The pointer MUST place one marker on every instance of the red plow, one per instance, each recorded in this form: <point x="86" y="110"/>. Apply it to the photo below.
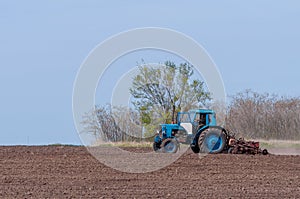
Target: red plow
<point x="241" y="146"/>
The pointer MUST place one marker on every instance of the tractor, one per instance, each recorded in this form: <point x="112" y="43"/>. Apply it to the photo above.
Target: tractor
<point x="199" y="129"/>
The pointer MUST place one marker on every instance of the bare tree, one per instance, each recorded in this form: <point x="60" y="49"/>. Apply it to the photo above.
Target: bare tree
<point x="266" y="116"/>
<point x="113" y="124"/>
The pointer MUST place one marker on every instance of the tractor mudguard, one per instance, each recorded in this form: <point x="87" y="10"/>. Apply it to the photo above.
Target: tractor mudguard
<point x="157" y="139"/>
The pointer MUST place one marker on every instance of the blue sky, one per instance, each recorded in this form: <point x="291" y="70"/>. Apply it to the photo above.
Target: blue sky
<point x="255" y="44"/>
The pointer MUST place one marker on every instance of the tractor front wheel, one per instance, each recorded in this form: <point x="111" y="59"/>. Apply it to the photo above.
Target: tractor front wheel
<point x="170" y="145"/>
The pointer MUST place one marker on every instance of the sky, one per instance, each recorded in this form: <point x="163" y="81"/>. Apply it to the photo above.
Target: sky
<point x="254" y="43"/>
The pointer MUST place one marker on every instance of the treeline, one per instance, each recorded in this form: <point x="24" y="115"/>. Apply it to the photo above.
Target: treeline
<point x="264" y="116"/>
<point x="250" y="115"/>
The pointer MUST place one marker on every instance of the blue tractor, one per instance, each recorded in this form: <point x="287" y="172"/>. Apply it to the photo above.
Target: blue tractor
<point x="197" y="128"/>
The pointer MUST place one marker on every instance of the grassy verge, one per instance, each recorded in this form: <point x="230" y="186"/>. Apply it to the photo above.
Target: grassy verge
<point x="59" y="144"/>
<point x="279" y="144"/>
<point x="269" y="144"/>
<point x="127" y="144"/>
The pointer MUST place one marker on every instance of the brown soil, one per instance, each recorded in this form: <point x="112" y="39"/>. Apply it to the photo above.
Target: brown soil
<point x="71" y="172"/>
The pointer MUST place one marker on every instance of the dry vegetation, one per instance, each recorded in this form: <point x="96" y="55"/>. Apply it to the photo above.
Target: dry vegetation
<point x="250" y="115"/>
<point x="264" y="116"/>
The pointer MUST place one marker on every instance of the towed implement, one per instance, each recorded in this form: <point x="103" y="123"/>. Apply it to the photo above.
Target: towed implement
<point x="199" y="129"/>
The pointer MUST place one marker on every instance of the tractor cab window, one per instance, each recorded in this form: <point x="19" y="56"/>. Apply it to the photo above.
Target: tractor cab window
<point x="197" y="117"/>
<point x="209" y="118"/>
<point x="201" y="119"/>
<point x="184" y="118"/>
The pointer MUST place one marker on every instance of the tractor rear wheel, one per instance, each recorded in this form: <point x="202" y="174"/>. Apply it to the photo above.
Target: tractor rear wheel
<point x="170" y="145"/>
<point x="212" y="140"/>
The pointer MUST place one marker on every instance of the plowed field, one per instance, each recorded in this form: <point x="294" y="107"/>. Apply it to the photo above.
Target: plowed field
<point x="71" y="172"/>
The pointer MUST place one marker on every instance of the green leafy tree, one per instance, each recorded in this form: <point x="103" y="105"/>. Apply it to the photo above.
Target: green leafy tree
<point x="159" y="92"/>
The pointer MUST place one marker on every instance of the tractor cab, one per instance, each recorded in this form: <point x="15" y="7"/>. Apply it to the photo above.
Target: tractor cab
<point x="194" y="120"/>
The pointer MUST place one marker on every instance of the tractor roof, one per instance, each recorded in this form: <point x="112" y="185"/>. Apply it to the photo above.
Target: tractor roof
<point x="202" y="111"/>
